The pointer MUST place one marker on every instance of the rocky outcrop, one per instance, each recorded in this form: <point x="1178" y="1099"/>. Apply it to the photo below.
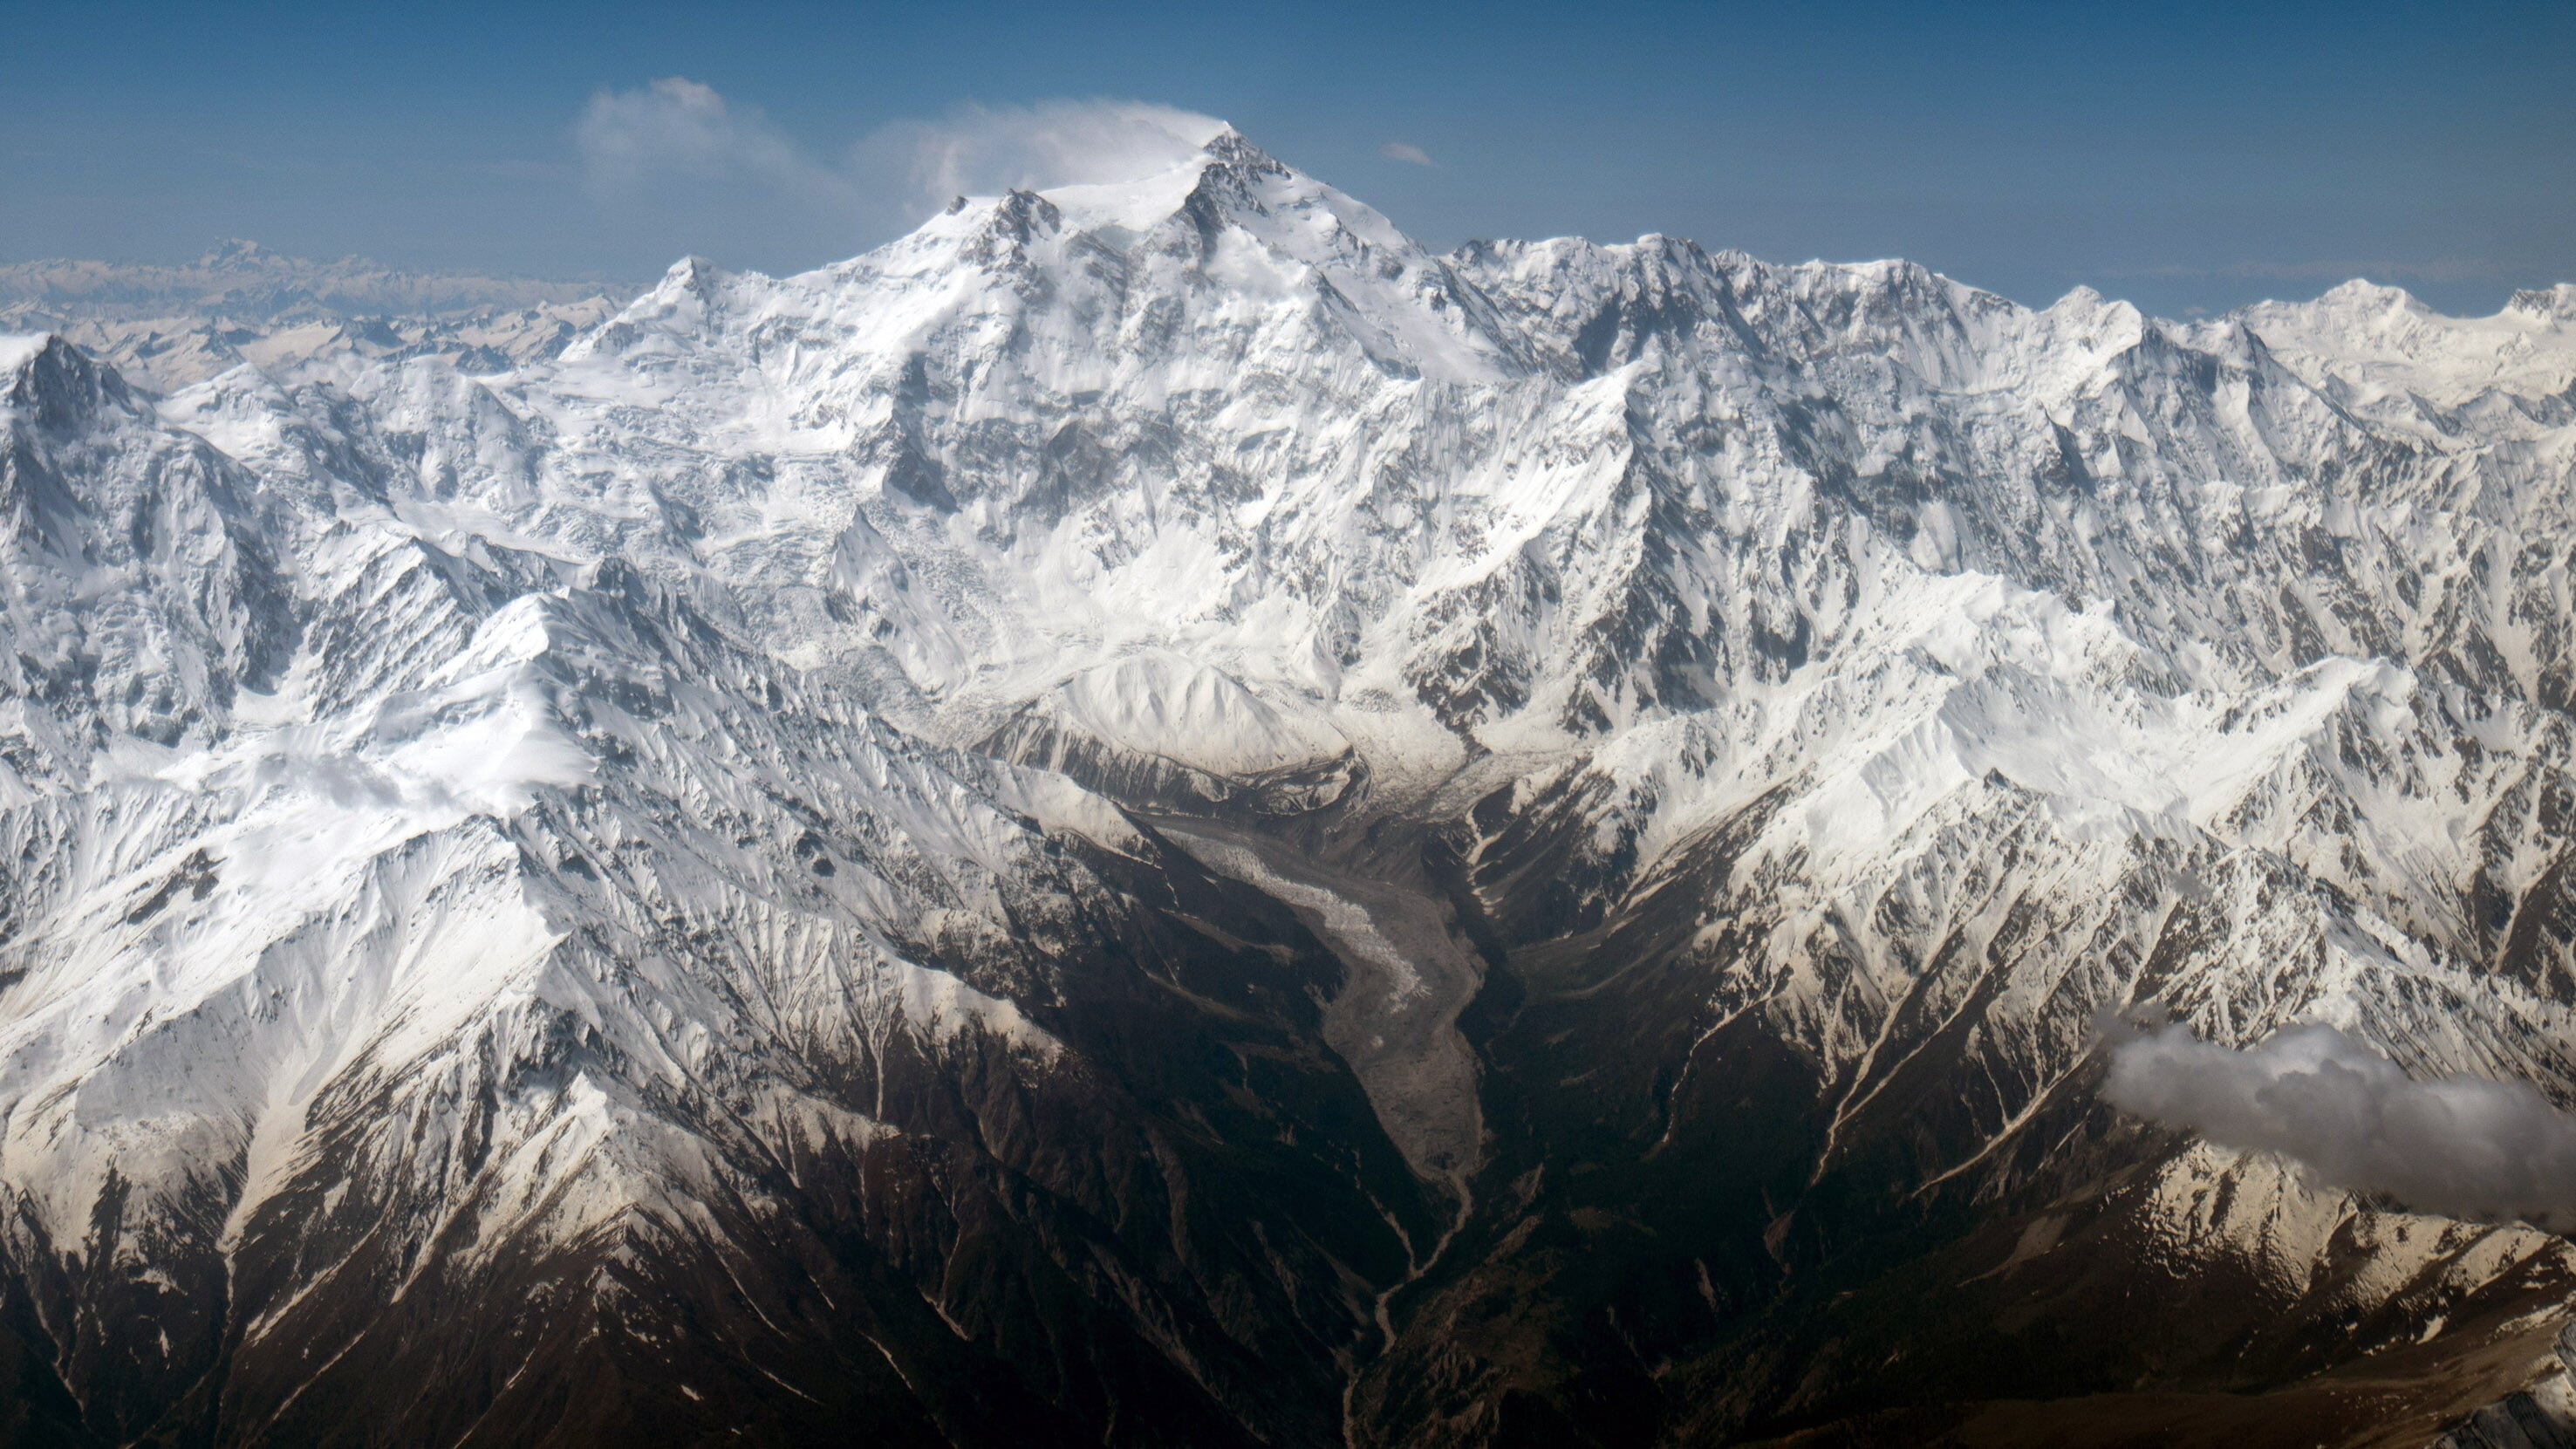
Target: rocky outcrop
<point x="2542" y="1416"/>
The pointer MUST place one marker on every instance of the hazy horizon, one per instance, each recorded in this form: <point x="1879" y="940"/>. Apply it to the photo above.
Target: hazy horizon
<point x="2191" y="160"/>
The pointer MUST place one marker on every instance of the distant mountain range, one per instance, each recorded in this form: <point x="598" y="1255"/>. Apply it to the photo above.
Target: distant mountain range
<point x="1153" y="815"/>
<point x="173" y="325"/>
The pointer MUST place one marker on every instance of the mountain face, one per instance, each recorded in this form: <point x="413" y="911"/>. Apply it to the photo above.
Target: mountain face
<point x="1152" y="815"/>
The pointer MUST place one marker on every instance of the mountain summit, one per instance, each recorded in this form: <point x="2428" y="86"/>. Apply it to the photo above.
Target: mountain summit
<point x="1153" y="815"/>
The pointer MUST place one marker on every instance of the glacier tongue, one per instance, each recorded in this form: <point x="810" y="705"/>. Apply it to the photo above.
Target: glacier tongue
<point x="1159" y="797"/>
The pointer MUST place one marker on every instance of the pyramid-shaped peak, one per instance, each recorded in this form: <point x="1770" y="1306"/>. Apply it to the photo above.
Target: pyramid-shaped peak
<point x="1232" y="169"/>
<point x="693" y="272"/>
<point x="1224" y="175"/>
<point x="1132" y="187"/>
<point x="1230" y="148"/>
<point x="58" y="386"/>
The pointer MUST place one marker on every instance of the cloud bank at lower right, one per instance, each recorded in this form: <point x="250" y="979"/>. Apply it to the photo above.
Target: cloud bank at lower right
<point x="2461" y="1147"/>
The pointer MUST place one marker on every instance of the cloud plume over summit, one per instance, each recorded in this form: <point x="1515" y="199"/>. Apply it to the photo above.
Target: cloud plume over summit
<point x="679" y="146"/>
<point x="981" y="150"/>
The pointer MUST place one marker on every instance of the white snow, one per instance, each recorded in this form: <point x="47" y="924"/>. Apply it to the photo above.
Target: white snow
<point x="624" y="685"/>
<point x="1162" y="704"/>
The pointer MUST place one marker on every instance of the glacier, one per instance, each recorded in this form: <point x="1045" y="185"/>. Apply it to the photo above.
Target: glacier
<point x="1154" y="814"/>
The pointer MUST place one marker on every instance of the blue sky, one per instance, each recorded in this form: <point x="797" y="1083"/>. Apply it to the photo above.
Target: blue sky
<point x="2189" y="157"/>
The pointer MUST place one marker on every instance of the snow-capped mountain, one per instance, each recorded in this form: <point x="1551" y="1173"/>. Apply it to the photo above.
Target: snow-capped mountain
<point x="1155" y="815"/>
<point x="169" y="326"/>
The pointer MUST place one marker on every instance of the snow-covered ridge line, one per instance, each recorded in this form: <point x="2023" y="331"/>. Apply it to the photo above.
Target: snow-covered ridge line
<point x="515" y="793"/>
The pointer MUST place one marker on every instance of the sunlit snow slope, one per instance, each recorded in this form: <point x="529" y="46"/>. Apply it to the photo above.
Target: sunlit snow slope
<point x="624" y="883"/>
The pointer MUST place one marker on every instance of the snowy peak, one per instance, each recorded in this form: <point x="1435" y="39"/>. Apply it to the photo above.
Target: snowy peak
<point x="689" y="302"/>
<point x="1226" y="176"/>
<point x="58" y="387"/>
<point x="843" y="806"/>
<point x="2379" y="348"/>
<point x="2546" y="304"/>
<point x="1230" y="221"/>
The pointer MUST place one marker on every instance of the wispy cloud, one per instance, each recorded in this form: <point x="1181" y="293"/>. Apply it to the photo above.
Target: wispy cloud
<point x="677" y="134"/>
<point x="1406" y="152"/>
<point x="2460" y="1146"/>
<point x="634" y="140"/>
<point x="980" y="150"/>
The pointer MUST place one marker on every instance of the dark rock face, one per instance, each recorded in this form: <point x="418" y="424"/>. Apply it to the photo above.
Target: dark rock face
<point x="1159" y="819"/>
<point x="1174" y="1232"/>
<point x="2542" y="1416"/>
